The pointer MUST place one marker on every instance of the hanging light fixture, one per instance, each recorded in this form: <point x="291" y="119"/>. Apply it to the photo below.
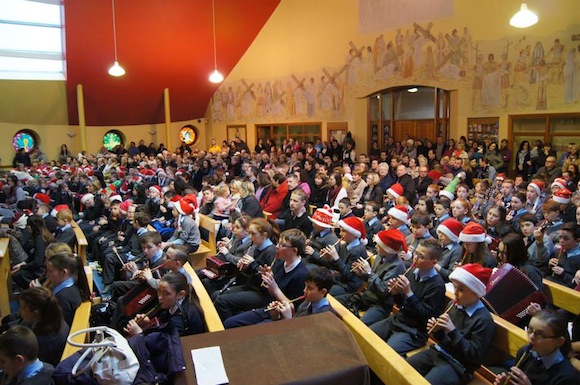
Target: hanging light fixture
<point x="524" y="18"/>
<point x="116" y="69"/>
<point x="215" y="76"/>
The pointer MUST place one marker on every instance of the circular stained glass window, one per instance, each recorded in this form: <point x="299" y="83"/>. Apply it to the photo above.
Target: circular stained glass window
<point x="112" y="139"/>
<point x="188" y="134"/>
<point x="24" y="139"/>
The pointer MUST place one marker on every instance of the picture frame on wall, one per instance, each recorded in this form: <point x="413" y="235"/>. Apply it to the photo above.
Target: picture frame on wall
<point x="237" y="131"/>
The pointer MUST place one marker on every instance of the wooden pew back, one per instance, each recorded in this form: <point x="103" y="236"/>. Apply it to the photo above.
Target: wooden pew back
<point x="562" y="296"/>
<point x="82" y="242"/>
<point x="387" y="364"/>
<point x="208" y="228"/>
<point x="5" y="278"/>
<point x="213" y="322"/>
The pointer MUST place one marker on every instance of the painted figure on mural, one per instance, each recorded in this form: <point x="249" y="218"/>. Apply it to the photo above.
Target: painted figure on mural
<point x="259" y="100"/>
<point x="466" y="45"/>
<point x="230" y="104"/>
<point x="290" y="98"/>
<point x="542" y="81"/>
<point x="556" y="59"/>
<point x="217" y="106"/>
<point x="268" y="101"/>
<point x="537" y="56"/>
<point x="310" y="96"/>
<point x="441" y="48"/>
<point x="505" y="68"/>
<point x="490" y="85"/>
<point x="570" y="77"/>
<point x="430" y="72"/>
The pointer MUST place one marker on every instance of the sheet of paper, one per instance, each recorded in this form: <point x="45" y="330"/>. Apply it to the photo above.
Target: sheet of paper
<point x="209" y="366"/>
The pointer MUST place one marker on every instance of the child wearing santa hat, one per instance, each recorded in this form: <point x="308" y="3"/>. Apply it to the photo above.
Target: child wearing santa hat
<point x="321" y="236"/>
<point x="475" y="241"/>
<point x="187" y="232"/>
<point x="376" y="299"/>
<point x="464" y="333"/>
<point x="420" y="295"/>
<point x="448" y="234"/>
<point x="341" y="258"/>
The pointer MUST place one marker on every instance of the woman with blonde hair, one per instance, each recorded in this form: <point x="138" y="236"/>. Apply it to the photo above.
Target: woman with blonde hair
<point x="248" y="203"/>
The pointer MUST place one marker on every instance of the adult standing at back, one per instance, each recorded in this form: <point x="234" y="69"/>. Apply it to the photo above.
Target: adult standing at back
<point x="407" y="182"/>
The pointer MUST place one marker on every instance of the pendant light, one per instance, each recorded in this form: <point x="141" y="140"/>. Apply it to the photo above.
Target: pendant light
<point x="524" y="18"/>
<point x="215" y="76"/>
<point x="116" y="69"/>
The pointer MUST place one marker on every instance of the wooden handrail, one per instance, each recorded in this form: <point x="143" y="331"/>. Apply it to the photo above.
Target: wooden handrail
<point x="213" y="322"/>
<point x="387" y="364"/>
<point x="562" y="296"/>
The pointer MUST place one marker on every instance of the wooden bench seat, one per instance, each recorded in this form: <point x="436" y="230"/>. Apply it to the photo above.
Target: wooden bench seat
<point x="387" y="364"/>
<point x="562" y="296"/>
<point x="213" y="322"/>
<point x="208" y="229"/>
<point x="82" y="243"/>
<point x="81" y="321"/>
<point x="5" y="278"/>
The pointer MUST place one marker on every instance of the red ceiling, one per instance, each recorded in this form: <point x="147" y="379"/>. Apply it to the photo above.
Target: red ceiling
<point x="161" y="44"/>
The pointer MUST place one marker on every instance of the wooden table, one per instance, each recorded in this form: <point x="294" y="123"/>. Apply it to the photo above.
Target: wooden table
<point x="316" y="349"/>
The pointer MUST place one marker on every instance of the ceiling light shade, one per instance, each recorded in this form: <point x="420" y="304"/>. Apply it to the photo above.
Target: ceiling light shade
<point x="116" y="70"/>
<point x="524" y="18"/>
<point x="413" y="90"/>
<point x="216" y="77"/>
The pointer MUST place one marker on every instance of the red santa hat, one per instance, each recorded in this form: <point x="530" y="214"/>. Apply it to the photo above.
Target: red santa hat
<point x="173" y="201"/>
<point x="474" y="276"/>
<point x="401" y="213"/>
<point x="85" y="198"/>
<point x="474" y="233"/>
<point x="396" y="190"/>
<point x="354" y="226"/>
<point x="537" y="185"/>
<point x="124" y="206"/>
<point x="58" y="209"/>
<point x="560" y="182"/>
<point x="43" y="198"/>
<point x="562" y="196"/>
<point x="391" y="240"/>
<point x="501" y="176"/>
<point x="451" y="228"/>
<point x="187" y="205"/>
<point x="155" y="189"/>
<point x="322" y="217"/>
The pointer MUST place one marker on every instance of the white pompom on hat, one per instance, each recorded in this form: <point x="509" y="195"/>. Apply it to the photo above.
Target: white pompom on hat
<point x="474" y="276"/>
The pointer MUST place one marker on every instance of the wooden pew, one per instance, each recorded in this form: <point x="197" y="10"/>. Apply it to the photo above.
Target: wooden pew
<point x="562" y="296"/>
<point x="213" y="322"/>
<point x="387" y="364"/>
<point x="81" y="321"/>
<point x="81" y="242"/>
<point x="5" y="278"/>
<point x="208" y="227"/>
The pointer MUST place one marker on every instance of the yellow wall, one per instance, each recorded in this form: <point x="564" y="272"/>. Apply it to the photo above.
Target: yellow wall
<point x="303" y="37"/>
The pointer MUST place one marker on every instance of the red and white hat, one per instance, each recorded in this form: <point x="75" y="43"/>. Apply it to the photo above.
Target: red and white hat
<point x="452" y="228"/>
<point x="124" y="206"/>
<point x="396" y="190"/>
<point x="474" y="233"/>
<point x="85" y="198"/>
<point x="472" y="275"/>
<point x="322" y="217"/>
<point x="43" y="198"/>
<point x="501" y="176"/>
<point x="562" y="196"/>
<point x="173" y="201"/>
<point x="537" y="185"/>
<point x="401" y="213"/>
<point x="20" y="220"/>
<point x="559" y="182"/>
<point x="156" y="189"/>
<point x="354" y="226"/>
<point x="115" y="198"/>
<point x="391" y="240"/>
<point x="187" y="204"/>
<point x="57" y="209"/>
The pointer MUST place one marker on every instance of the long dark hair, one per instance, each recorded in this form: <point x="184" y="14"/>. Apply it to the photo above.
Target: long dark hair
<point x="178" y="282"/>
<point x="516" y="251"/>
<point x="41" y="300"/>
<point x="38" y="228"/>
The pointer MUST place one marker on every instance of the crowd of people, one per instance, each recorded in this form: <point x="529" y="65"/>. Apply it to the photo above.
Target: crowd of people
<point x="298" y="221"/>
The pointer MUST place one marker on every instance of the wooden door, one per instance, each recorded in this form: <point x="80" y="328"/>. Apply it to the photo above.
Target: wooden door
<point x="420" y="129"/>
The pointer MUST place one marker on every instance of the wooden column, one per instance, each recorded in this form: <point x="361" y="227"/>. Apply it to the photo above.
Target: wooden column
<point x="81" y="113"/>
<point x="167" y="119"/>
